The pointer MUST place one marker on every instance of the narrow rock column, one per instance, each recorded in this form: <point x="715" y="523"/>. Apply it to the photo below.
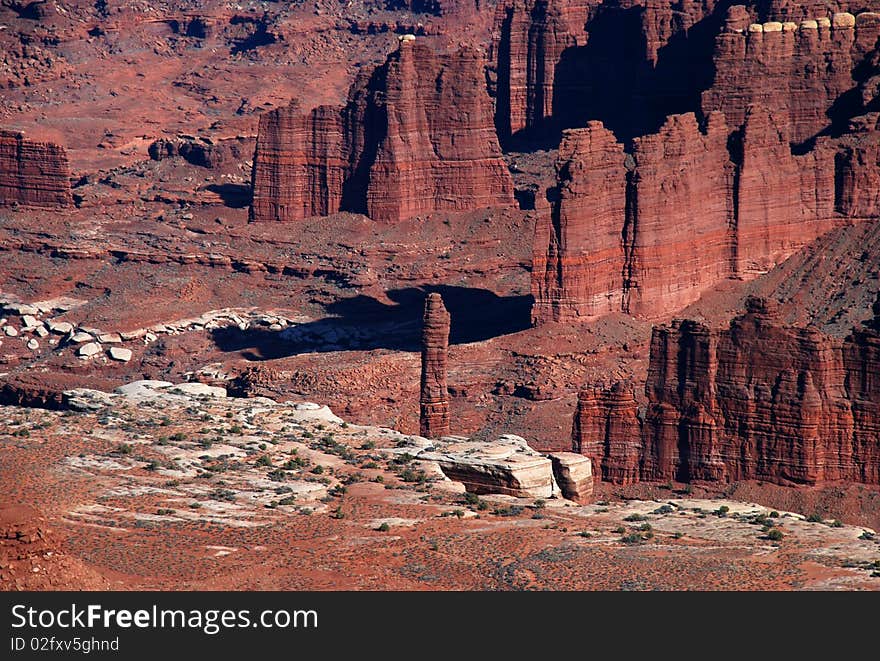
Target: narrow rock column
<point x="434" y="400"/>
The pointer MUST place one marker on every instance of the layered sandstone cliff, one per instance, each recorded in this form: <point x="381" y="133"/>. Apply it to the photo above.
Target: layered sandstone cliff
<point x="578" y="267"/>
<point x="649" y="232"/>
<point x="33" y="174"/>
<point x="799" y="71"/>
<point x="415" y="137"/>
<point x="758" y="400"/>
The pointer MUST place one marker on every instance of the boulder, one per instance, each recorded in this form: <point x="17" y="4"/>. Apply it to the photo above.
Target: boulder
<point x="574" y="475"/>
<point x="121" y="354"/>
<point x="89" y="349"/>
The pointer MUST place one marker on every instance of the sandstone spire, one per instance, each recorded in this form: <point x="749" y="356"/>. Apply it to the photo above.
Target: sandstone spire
<point x="434" y="400"/>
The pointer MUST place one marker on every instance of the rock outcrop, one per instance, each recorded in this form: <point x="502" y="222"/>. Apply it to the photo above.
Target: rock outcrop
<point x="434" y="397"/>
<point x="607" y="429"/>
<point x="506" y="465"/>
<point x="579" y="261"/>
<point x="415" y="137"/>
<point x="529" y="38"/>
<point x="799" y="71"/>
<point x="759" y="400"/>
<point x="558" y="64"/>
<point x="679" y="216"/>
<point x="648" y="233"/>
<point x="574" y="475"/>
<point x="33" y="174"/>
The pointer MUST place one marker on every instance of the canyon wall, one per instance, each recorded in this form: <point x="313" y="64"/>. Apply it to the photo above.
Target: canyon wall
<point x="578" y="267"/>
<point x="758" y="400"/>
<point x="803" y="72"/>
<point x="415" y="137"/>
<point x="648" y="232"/>
<point x="33" y="174"/>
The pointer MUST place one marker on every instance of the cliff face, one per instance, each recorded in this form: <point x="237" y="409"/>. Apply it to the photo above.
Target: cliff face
<point x="680" y="214"/>
<point x="33" y="174"/>
<point x="415" y="137"/>
<point x="561" y="63"/>
<point x="440" y="150"/>
<point x="578" y="266"/>
<point x="759" y="400"/>
<point x="299" y="166"/>
<point x="434" y="398"/>
<point x="607" y="429"/>
<point x="529" y="37"/>
<point x="701" y="205"/>
<point x="783" y="201"/>
<point x="798" y="71"/>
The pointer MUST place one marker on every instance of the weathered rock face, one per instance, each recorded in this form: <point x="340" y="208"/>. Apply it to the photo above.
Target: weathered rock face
<point x="34" y="174"/>
<point x="783" y="201"/>
<point x="440" y="150"/>
<point x="762" y="400"/>
<point x="578" y="265"/>
<point x="798" y="71"/>
<point x="299" y="167"/>
<point x="680" y="214"/>
<point x="857" y="170"/>
<point x="559" y="64"/>
<point x="415" y="137"/>
<point x="506" y="465"/>
<point x="434" y="398"/>
<point x="607" y="429"/>
<point x="529" y="38"/>
<point x="690" y="207"/>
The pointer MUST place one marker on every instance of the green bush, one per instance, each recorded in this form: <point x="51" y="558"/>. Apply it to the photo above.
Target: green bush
<point x="775" y="535"/>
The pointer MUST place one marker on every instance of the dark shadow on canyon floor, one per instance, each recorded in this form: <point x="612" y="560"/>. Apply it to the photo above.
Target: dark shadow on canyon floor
<point x="234" y="196"/>
<point x="363" y="323"/>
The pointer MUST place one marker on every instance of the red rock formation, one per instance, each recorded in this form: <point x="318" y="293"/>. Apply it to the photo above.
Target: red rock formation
<point x="857" y="194"/>
<point x="439" y="151"/>
<point x="578" y="264"/>
<point x="798" y="72"/>
<point x="680" y="214"/>
<point x="299" y="166"/>
<point x="783" y="201"/>
<point x="415" y="137"/>
<point x="434" y="399"/>
<point x="528" y="41"/>
<point x="607" y="429"/>
<point x="34" y="174"/>
<point x="762" y="400"/>
<point x="699" y="208"/>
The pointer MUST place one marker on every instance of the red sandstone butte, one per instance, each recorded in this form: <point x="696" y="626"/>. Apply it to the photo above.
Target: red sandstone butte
<point x="692" y="207"/>
<point x="33" y="174"/>
<point x="434" y="399"/>
<point x="579" y="263"/>
<point x="416" y="136"/>
<point x="759" y="400"/>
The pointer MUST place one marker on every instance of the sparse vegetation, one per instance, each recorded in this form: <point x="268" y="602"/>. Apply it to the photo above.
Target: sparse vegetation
<point x="775" y="535"/>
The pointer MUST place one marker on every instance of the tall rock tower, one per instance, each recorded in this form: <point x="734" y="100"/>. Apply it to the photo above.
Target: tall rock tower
<point x="434" y="399"/>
